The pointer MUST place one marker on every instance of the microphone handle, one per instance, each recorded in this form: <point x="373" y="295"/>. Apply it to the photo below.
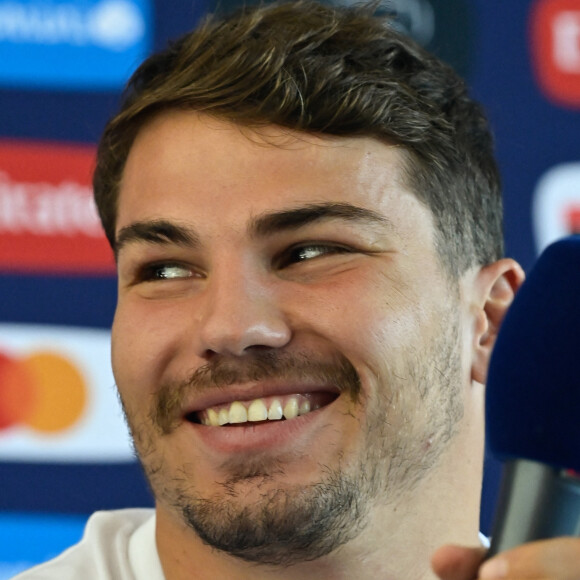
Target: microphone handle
<point x="536" y="502"/>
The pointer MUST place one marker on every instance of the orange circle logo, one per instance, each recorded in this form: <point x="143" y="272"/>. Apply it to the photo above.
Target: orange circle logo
<point x="43" y="391"/>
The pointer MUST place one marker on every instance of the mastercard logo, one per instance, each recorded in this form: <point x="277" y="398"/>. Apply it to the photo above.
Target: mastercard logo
<point x="43" y="391"/>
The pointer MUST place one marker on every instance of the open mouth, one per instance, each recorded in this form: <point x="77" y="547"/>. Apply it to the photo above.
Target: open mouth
<point x="275" y="408"/>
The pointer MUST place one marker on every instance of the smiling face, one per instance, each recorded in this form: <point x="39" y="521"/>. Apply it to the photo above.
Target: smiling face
<point x="286" y="345"/>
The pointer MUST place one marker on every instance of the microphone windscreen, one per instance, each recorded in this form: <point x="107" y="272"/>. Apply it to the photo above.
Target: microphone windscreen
<point x="533" y="386"/>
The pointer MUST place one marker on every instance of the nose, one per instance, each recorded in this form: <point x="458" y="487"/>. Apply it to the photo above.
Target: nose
<point x="239" y="312"/>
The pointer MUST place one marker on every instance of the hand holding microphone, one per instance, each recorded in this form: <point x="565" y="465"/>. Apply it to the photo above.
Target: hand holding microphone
<point x="533" y="403"/>
<point x="533" y="424"/>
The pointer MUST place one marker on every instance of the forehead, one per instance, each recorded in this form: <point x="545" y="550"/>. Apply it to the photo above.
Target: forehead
<point x="184" y="164"/>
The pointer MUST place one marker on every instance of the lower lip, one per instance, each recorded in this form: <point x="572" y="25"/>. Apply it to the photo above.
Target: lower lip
<point x="263" y="436"/>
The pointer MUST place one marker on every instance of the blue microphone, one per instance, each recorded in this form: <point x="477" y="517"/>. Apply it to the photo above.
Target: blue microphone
<point x="533" y="403"/>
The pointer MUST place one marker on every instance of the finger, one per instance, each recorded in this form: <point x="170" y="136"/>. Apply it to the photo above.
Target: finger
<point x="456" y="562"/>
<point x="557" y="559"/>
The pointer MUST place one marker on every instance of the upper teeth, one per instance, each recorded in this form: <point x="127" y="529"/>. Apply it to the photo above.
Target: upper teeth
<point x="273" y="409"/>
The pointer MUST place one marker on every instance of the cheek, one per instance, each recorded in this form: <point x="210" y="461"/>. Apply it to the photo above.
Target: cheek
<point x="140" y="346"/>
<point x="377" y="323"/>
<point x="367" y="315"/>
<point x="125" y="346"/>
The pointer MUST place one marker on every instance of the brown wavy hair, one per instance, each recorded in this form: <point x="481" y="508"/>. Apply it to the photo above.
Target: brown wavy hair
<point x="341" y="71"/>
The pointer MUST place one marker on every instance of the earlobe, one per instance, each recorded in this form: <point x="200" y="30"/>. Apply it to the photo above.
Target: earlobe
<point x="496" y="286"/>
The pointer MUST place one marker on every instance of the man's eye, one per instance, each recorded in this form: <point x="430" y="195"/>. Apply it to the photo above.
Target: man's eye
<point x="165" y="272"/>
<point x="308" y="252"/>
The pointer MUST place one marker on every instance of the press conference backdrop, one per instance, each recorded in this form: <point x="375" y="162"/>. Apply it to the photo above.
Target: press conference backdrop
<point x="64" y="449"/>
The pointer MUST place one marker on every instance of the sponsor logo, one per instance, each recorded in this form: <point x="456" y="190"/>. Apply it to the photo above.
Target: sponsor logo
<point x="48" y="220"/>
<point x="72" y="43"/>
<point x="555" y="31"/>
<point x="57" y="396"/>
<point x="444" y="27"/>
<point x="413" y="17"/>
<point x="43" y="391"/>
<point x="556" y="204"/>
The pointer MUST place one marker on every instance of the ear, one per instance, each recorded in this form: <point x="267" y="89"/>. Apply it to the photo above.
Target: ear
<point x="496" y="285"/>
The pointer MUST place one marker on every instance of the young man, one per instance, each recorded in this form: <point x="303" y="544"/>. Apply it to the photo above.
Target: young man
<point x="305" y="212"/>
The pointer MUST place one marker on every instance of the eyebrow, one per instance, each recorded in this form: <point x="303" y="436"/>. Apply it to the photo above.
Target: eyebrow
<point x="161" y="231"/>
<point x="157" y="231"/>
<point x="295" y="218"/>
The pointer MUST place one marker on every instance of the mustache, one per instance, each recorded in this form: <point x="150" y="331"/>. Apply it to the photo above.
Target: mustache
<point x="219" y="373"/>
